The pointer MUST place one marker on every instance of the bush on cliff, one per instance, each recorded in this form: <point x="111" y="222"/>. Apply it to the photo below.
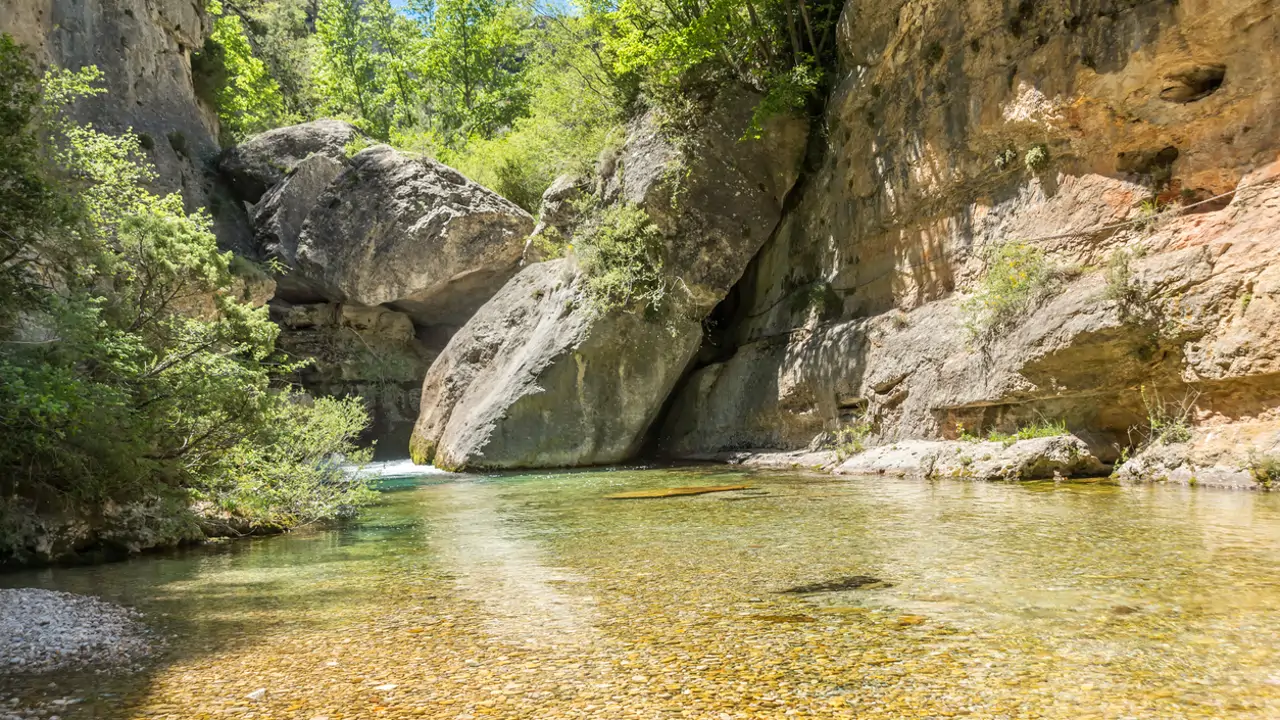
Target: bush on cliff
<point x="1018" y="276"/>
<point x="128" y="369"/>
<point x="622" y="257"/>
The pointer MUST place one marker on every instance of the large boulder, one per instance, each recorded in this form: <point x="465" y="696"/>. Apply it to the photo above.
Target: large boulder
<point x="261" y="162"/>
<point x="540" y="379"/>
<point x="541" y="376"/>
<point x="412" y="233"/>
<point x="279" y="216"/>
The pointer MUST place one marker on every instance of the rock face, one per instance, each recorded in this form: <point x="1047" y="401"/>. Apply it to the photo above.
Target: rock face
<point x="411" y="233"/>
<point x="384" y="256"/>
<point x="373" y="352"/>
<point x="1033" y="459"/>
<point x="1234" y="455"/>
<point x="960" y="127"/>
<point x="144" y="50"/>
<point x="264" y="160"/>
<point x="539" y="377"/>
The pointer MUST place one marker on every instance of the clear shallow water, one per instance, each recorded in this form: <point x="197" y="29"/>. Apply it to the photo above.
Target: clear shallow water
<point x="532" y="596"/>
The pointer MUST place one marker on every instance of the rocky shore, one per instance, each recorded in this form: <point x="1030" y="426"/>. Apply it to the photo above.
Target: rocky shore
<point x="44" y="630"/>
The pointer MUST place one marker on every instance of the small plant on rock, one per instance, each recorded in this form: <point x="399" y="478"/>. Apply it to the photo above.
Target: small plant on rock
<point x="1037" y="158"/>
<point x="1168" y="421"/>
<point x="1265" y="469"/>
<point x="847" y="440"/>
<point x="1121" y="287"/>
<point x="623" y="254"/>
<point x="1018" y="277"/>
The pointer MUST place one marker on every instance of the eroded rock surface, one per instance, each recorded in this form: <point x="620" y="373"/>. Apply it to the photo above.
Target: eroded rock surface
<point x="264" y="160"/>
<point x="410" y="232"/>
<point x="963" y="127"/>
<point x="1032" y="459"/>
<point x="144" y="49"/>
<point x="540" y="377"/>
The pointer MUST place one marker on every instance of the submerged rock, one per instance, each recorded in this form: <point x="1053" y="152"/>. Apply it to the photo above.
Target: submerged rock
<point x="675" y="492"/>
<point x="852" y="582"/>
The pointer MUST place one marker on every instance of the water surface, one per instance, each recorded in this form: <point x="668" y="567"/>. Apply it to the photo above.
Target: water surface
<point x="532" y="596"/>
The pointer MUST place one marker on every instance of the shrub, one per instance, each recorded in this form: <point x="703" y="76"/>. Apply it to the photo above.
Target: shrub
<point x="109" y="390"/>
<point x="1265" y="469"/>
<point x="622" y="256"/>
<point x="1037" y="158"/>
<point x="289" y="473"/>
<point x="1120" y="284"/>
<point x="1168" y="421"/>
<point x="1018" y="276"/>
<point x="847" y="440"/>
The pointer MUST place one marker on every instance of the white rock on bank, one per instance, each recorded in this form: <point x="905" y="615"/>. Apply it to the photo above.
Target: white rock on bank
<point x="43" y="630"/>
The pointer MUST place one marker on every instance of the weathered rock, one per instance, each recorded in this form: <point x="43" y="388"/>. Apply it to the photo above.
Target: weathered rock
<point x="370" y="352"/>
<point x="1235" y="455"/>
<point x="557" y="215"/>
<point x="263" y="161"/>
<point x="278" y="219"/>
<point x="538" y="378"/>
<point x="144" y="49"/>
<point x="411" y="233"/>
<point x="1036" y="458"/>
<point x="717" y="197"/>
<point x="853" y="310"/>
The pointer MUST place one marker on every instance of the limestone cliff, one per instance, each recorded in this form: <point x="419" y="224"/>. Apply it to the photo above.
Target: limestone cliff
<point x="956" y="127"/>
<point x="144" y="50"/>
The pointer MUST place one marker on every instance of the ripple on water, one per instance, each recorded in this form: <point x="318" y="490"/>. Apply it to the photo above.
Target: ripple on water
<point x="533" y="596"/>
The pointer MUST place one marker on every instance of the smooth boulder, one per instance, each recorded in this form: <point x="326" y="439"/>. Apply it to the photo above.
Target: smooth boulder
<point x="411" y="233"/>
<point x="538" y="378"/>
<point x="264" y="160"/>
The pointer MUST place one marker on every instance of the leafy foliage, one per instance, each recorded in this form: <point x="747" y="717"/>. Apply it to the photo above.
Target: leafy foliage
<point x="249" y="100"/>
<point x="127" y="366"/>
<point x="1018" y="276"/>
<point x="622" y="254"/>
<point x="777" y="46"/>
<point x="1168" y="421"/>
<point x="1039" y="429"/>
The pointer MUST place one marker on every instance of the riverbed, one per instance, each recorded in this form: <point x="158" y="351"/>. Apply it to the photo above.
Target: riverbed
<point x="534" y="596"/>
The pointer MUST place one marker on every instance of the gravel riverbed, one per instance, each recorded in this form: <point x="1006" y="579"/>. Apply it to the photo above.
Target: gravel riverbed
<point x="43" y="630"/>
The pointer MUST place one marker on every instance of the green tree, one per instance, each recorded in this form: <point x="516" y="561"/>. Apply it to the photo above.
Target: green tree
<point x="398" y="41"/>
<point x="347" y="72"/>
<point x="129" y="369"/>
<point x="474" y="62"/>
<point x="574" y="110"/>
<point x="282" y="34"/>
<point x="249" y="99"/>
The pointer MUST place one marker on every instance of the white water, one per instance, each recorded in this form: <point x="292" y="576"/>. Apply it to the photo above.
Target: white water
<point x="399" y="468"/>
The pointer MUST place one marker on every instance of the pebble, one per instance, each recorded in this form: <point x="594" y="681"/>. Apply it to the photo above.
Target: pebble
<point x="44" y="630"/>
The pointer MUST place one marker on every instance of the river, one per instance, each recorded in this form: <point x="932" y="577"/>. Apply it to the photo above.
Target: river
<point x="534" y="596"/>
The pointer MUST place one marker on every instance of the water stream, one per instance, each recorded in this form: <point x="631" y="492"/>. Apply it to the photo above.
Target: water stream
<point x="533" y="596"/>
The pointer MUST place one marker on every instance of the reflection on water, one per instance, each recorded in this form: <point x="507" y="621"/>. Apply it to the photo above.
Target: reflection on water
<point x="532" y="596"/>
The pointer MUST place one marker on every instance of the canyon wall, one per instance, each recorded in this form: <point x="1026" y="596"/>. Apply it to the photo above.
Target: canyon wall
<point x="956" y="128"/>
<point x="144" y="50"/>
